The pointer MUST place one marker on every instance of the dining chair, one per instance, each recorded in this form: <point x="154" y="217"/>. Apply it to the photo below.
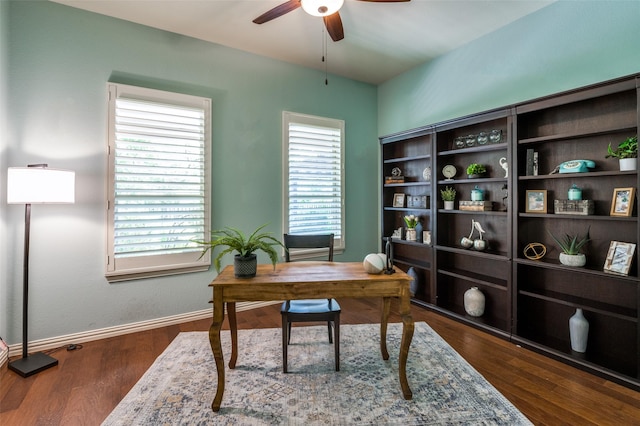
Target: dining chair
<point x="310" y="310"/>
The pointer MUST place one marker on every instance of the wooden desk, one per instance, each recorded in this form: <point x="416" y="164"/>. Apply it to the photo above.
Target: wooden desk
<point x="308" y="280"/>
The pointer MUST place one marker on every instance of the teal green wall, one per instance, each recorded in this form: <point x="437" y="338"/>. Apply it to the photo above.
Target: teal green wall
<point x="566" y="45"/>
<point x="59" y="61"/>
<point x="4" y="146"/>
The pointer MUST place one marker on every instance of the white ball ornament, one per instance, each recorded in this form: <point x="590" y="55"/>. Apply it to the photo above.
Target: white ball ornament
<point x="373" y="263"/>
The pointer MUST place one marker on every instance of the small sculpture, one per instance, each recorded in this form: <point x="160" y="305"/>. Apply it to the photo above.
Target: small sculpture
<point x="478" y="244"/>
<point x="505" y="166"/>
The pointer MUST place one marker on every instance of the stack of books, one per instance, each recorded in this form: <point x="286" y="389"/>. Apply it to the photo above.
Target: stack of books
<point x="394" y="179"/>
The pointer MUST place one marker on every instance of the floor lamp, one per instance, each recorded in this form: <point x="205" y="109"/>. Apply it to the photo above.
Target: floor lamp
<point x="35" y="184"/>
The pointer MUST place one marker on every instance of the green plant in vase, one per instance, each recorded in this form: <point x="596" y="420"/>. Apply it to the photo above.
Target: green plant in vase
<point x="475" y="170"/>
<point x="448" y="195"/>
<point x="626" y="153"/>
<point x="235" y="240"/>
<point x="570" y="246"/>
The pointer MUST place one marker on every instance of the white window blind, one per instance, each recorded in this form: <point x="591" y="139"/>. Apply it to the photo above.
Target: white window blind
<point x="159" y="191"/>
<point x="315" y="175"/>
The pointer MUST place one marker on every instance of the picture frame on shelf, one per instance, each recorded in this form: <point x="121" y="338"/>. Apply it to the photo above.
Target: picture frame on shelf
<point x="622" y="201"/>
<point x="619" y="258"/>
<point x="398" y="200"/>
<point x="536" y="201"/>
<point x="417" y="201"/>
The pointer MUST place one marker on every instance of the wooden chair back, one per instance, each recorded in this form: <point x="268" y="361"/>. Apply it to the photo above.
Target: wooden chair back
<point x="292" y="241"/>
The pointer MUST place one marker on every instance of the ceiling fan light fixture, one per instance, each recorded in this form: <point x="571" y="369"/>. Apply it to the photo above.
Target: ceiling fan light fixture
<point x="321" y="7"/>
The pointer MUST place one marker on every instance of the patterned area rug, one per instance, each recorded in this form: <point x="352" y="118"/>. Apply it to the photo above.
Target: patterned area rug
<point x="179" y="387"/>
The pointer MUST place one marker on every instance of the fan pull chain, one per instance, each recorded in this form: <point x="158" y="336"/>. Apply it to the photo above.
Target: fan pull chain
<point x="325" y="57"/>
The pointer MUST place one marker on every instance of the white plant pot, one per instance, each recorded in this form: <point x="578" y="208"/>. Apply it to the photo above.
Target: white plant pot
<point x="448" y="205"/>
<point x="573" y="259"/>
<point x="627" y="164"/>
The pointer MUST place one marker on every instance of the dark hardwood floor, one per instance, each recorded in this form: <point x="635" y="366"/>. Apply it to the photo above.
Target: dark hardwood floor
<point x="88" y="383"/>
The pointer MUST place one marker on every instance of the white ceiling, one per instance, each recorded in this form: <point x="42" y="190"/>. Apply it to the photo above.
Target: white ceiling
<point x="381" y="40"/>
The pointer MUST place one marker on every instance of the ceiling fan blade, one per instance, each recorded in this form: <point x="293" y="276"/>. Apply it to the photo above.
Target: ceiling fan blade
<point x="334" y="26"/>
<point x="277" y="11"/>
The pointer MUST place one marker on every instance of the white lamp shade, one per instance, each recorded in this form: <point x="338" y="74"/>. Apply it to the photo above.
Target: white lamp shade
<point x="321" y="7"/>
<point x="40" y="185"/>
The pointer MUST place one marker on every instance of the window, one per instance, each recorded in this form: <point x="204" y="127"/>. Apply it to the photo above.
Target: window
<point x="158" y="183"/>
<point x="313" y="177"/>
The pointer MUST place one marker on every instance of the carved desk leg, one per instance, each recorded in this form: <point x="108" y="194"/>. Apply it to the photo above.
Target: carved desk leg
<point x="216" y="345"/>
<point x="233" y="327"/>
<point x="386" y="308"/>
<point x="407" y="336"/>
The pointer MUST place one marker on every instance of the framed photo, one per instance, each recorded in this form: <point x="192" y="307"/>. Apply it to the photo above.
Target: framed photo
<point x="536" y="201"/>
<point x="417" y="201"/>
<point x="398" y="200"/>
<point x="619" y="258"/>
<point x="622" y="202"/>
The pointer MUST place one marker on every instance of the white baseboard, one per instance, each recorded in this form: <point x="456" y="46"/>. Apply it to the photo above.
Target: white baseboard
<point x="104" y="333"/>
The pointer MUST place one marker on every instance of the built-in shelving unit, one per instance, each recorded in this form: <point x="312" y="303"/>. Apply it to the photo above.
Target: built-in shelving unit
<point x="577" y="125"/>
<point x="411" y="155"/>
<point x="527" y="301"/>
<point x="459" y="268"/>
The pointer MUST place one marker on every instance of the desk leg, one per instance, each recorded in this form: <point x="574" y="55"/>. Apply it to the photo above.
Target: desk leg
<point x="386" y="308"/>
<point x="407" y="336"/>
<point x="216" y="345"/>
<point x="233" y="327"/>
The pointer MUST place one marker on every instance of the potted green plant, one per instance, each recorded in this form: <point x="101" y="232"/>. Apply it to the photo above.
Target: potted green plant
<point x="412" y="222"/>
<point x="245" y="261"/>
<point x="626" y="153"/>
<point x="570" y="246"/>
<point x="474" y="170"/>
<point x="448" y="195"/>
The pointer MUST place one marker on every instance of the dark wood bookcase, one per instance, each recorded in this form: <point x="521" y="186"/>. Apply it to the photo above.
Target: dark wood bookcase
<point x="527" y="301"/>
<point x="411" y="153"/>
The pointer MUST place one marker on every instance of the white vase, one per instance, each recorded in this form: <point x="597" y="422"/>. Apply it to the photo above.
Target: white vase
<point x="578" y="331"/>
<point x="474" y="302"/>
<point x="448" y="205"/>
<point x="411" y="234"/>
<point x="573" y="259"/>
<point x="627" y="164"/>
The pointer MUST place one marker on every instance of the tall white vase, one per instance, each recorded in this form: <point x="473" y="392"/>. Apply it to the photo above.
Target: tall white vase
<point x="578" y="331"/>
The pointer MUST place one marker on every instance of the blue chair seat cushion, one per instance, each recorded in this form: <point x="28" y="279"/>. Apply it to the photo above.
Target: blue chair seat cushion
<point x="311" y="306"/>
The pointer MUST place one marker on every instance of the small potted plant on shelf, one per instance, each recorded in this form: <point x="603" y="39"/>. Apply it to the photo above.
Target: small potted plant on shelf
<point x="245" y="261"/>
<point x="570" y="246"/>
<point x="475" y="170"/>
<point x="626" y="153"/>
<point x="411" y="221"/>
<point x="448" y="195"/>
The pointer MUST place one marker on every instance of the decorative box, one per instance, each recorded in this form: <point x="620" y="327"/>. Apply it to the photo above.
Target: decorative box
<point x="581" y="207"/>
<point x="394" y="179"/>
<point x="475" y="206"/>
<point x="417" y="201"/>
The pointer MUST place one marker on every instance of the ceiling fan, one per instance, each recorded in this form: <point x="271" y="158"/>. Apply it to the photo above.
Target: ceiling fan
<point x="327" y="9"/>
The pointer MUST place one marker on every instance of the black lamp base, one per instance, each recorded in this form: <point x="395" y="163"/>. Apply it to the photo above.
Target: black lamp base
<point x="32" y="364"/>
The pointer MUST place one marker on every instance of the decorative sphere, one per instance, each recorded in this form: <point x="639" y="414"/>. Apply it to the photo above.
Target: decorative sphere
<point x="373" y="263"/>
